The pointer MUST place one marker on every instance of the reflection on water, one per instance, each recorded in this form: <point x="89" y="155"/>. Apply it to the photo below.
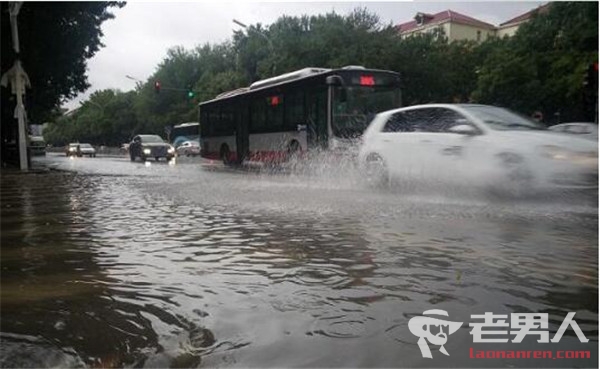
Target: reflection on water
<point x="107" y="272"/>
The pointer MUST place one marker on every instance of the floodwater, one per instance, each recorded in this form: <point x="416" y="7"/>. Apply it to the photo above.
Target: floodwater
<point x="107" y="263"/>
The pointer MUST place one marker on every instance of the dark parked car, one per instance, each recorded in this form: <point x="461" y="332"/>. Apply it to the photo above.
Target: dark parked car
<point x="150" y="146"/>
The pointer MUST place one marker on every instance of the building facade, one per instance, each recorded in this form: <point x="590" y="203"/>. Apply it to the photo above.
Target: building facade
<point x="510" y="27"/>
<point x="457" y="26"/>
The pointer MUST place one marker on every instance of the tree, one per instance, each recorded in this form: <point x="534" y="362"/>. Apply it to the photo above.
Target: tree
<point x="546" y="62"/>
<point x="56" y="39"/>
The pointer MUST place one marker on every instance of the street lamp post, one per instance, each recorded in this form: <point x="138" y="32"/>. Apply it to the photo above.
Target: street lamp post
<point x="269" y="42"/>
<point x="138" y="83"/>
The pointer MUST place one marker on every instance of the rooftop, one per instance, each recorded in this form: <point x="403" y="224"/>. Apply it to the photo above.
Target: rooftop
<point x="525" y="16"/>
<point x="442" y="17"/>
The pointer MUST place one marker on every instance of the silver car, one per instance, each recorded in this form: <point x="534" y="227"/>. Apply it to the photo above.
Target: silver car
<point x="581" y="129"/>
<point x="188" y="148"/>
<point x="80" y="149"/>
<point x="469" y="144"/>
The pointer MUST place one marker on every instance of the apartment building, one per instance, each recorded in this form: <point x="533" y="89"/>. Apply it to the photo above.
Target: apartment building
<point x="457" y="26"/>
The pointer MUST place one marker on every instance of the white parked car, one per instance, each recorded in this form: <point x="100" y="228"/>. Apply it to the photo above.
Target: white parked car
<point x="80" y="149"/>
<point x="188" y="148"/>
<point x="468" y="144"/>
<point x="583" y="130"/>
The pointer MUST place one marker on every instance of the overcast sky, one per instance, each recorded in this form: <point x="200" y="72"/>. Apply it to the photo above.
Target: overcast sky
<point x="138" y="38"/>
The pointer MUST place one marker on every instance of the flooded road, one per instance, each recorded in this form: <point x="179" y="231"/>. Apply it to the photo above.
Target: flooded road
<point x="108" y="263"/>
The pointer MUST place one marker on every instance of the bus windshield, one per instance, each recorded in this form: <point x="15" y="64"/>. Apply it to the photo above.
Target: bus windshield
<point x="185" y="132"/>
<point x="354" y="109"/>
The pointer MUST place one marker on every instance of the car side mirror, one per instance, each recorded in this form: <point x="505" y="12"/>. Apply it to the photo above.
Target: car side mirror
<point x="463" y="129"/>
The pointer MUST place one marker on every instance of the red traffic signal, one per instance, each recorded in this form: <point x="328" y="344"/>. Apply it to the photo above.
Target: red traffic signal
<point x="157" y="86"/>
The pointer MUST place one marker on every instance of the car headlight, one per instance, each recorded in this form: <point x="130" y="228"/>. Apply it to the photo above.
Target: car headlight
<point x="171" y="150"/>
<point x="147" y="151"/>
<point x="555" y="152"/>
<point x="72" y="149"/>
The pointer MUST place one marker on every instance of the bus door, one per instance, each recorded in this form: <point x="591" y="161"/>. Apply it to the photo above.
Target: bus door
<point x="242" y="139"/>
<point x="316" y="104"/>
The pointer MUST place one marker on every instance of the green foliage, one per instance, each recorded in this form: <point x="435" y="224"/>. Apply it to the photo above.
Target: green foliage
<point x="545" y="62"/>
<point x="56" y="39"/>
<point x="541" y="68"/>
<point x="107" y="118"/>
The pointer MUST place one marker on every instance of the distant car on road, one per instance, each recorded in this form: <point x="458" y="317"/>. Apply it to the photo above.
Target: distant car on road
<point x="71" y="150"/>
<point x="150" y="146"/>
<point x="37" y="145"/>
<point x="80" y="149"/>
<point x="582" y="129"/>
<point x="189" y="148"/>
<point x="464" y="144"/>
<point x="87" y="150"/>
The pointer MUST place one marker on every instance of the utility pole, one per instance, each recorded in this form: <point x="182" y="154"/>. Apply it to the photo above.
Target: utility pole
<point x="18" y="80"/>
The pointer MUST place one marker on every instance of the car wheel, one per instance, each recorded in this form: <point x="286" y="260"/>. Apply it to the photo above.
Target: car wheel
<point x="516" y="180"/>
<point x="375" y="171"/>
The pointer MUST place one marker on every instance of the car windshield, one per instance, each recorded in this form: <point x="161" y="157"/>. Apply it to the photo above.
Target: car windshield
<point x="152" y="139"/>
<point x="86" y="146"/>
<point x="501" y="119"/>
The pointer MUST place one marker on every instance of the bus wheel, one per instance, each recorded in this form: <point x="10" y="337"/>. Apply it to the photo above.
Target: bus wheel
<point x="293" y="150"/>
<point x="225" y="154"/>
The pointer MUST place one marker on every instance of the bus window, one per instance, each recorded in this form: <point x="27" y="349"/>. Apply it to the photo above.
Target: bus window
<point x="204" y="124"/>
<point x="257" y="115"/>
<point x="227" y="123"/>
<point x="274" y="113"/>
<point x="316" y="101"/>
<point x="294" y="111"/>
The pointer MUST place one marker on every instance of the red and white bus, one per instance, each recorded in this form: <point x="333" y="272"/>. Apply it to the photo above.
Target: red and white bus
<point x="294" y="113"/>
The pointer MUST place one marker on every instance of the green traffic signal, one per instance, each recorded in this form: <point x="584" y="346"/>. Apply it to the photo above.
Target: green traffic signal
<point x="190" y="94"/>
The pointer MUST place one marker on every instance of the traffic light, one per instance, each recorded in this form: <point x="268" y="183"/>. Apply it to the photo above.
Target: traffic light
<point x="190" y="94"/>
<point x="591" y="77"/>
<point x="157" y="86"/>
